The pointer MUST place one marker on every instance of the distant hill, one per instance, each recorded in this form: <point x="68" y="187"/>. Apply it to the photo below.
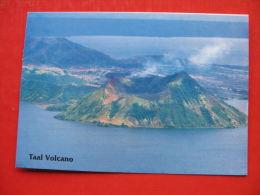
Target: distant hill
<point x="56" y="77"/>
<point x="37" y="91"/>
<point x="174" y="101"/>
<point x="62" y="53"/>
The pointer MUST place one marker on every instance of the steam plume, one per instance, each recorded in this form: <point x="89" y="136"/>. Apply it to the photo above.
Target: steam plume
<point x="211" y="53"/>
<point x="149" y="69"/>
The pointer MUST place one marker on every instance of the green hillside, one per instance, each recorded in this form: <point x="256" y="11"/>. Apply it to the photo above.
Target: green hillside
<point x="175" y="101"/>
<point x="38" y="91"/>
<point x="56" y="77"/>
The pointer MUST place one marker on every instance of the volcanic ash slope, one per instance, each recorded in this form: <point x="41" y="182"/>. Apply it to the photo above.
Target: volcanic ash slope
<point x="175" y="101"/>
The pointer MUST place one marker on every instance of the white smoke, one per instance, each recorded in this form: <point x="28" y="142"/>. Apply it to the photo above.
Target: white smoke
<point x="212" y="53"/>
<point x="169" y="57"/>
<point x="168" y="64"/>
<point x="149" y="69"/>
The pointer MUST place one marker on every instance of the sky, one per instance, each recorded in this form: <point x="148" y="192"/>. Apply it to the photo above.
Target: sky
<point x="206" y="38"/>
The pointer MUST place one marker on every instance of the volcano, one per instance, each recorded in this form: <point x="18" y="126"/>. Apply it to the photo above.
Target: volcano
<point x="174" y="101"/>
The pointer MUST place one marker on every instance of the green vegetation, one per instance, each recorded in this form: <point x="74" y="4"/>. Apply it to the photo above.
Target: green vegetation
<point x="220" y="113"/>
<point x="60" y="78"/>
<point x="86" y="108"/>
<point x="114" y="109"/>
<point x="140" y="113"/>
<point x="155" y="102"/>
<point x="46" y="92"/>
<point x="206" y="115"/>
<point x="58" y="107"/>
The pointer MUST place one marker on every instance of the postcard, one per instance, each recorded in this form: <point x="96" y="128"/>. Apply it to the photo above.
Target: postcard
<point x="162" y="93"/>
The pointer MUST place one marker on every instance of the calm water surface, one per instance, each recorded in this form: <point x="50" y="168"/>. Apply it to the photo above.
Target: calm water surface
<point x="136" y="150"/>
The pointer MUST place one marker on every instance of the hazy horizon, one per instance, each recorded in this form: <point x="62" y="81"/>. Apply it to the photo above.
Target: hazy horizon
<point x="204" y="38"/>
<point x="201" y="50"/>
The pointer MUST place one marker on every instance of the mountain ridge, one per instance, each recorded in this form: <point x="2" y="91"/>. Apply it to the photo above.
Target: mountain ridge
<point x="62" y="53"/>
<point x="175" y="101"/>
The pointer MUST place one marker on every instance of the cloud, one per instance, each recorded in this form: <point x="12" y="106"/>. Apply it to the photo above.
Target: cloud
<point x="213" y="53"/>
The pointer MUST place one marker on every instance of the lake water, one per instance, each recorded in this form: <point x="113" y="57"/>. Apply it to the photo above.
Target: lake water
<point x="133" y="150"/>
